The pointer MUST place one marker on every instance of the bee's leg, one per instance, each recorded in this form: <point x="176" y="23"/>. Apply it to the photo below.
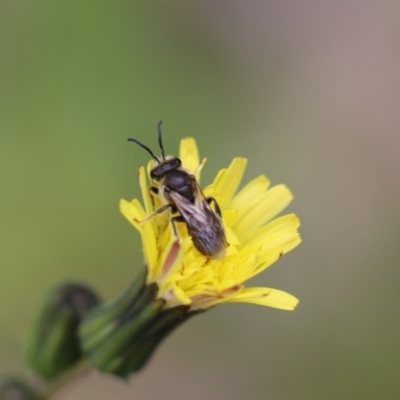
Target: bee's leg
<point x="210" y="200"/>
<point x="174" y="220"/>
<point x="153" y="190"/>
<point x="159" y="211"/>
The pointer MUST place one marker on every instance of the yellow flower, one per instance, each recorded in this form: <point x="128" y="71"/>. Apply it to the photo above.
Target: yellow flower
<point x="256" y="239"/>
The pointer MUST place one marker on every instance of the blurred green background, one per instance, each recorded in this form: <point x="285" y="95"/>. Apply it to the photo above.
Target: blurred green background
<point x="308" y="91"/>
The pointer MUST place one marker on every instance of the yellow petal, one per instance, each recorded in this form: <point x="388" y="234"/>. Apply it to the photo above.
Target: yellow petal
<point x="134" y="213"/>
<point x="203" y="301"/>
<point x="228" y="180"/>
<point x="189" y="154"/>
<point x="171" y="261"/>
<point x="247" y="265"/>
<point x="175" y="296"/>
<point x="278" y="227"/>
<point x="267" y="297"/>
<point x="144" y="187"/>
<point x="212" y="297"/>
<point x="197" y="171"/>
<point x="209" y="191"/>
<point x="252" y="190"/>
<point x="231" y="238"/>
<point x="280" y="245"/>
<point x="273" y="251"/>
<point x="150" y="166"/>
<point x="181" y="296"/>
<point x="230" y="217"/>
<point x="262" y="209"/>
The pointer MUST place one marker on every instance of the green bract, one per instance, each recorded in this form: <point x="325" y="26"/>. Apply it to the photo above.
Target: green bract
<point x="53" y="344"/>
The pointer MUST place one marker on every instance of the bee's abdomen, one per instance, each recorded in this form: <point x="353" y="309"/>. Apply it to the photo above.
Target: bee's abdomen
<point x="209" y="240"/>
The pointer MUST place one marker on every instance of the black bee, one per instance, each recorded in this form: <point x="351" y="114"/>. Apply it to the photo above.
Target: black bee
<point x="185" y="198"/>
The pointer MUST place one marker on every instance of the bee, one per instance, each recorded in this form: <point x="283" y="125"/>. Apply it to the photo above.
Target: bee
<point x="187" y="203"/>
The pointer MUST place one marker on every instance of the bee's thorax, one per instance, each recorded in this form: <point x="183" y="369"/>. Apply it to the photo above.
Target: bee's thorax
<point x="181" y="182"/>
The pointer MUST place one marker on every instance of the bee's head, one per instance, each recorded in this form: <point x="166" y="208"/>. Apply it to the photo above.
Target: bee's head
<point x="166" y="165"/>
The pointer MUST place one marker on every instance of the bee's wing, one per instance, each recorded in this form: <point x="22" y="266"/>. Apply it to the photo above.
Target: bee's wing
<point x="191" y="213"/>
<point x="204" y="225"/>
<point x="199" y="198"/>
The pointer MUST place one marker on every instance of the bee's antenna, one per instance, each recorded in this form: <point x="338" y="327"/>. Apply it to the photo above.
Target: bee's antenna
<point x="160" y="139"/>
<point x="144" y="147"/>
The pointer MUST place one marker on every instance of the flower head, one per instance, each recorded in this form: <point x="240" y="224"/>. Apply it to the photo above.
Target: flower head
<point x="256" y="239"/>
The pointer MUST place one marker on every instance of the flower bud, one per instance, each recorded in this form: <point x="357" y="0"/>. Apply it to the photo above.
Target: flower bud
<point x="120" y="336"/>
<point x="53" y="345"/>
